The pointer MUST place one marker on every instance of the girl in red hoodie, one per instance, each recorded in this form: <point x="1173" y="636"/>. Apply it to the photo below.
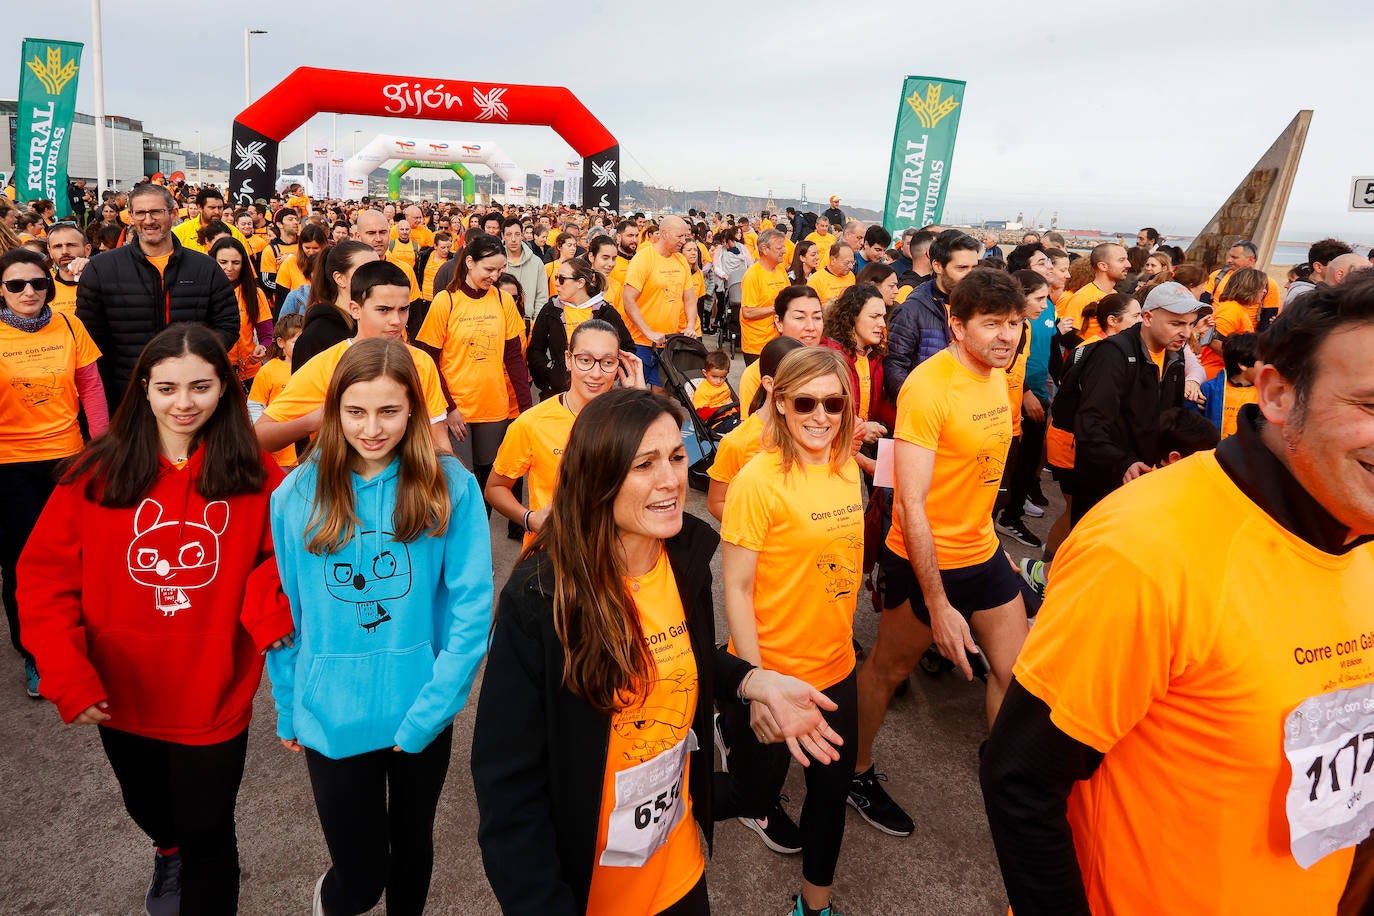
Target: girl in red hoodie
<point x="133" y="591"/>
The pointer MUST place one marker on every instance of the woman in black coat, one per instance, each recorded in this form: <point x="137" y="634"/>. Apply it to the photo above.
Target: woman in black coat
<point x="600" y="680"/>
<point x="579" y="299"/>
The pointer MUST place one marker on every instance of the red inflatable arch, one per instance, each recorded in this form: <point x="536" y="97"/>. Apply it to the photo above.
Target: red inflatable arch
<point x="260" y="128"/>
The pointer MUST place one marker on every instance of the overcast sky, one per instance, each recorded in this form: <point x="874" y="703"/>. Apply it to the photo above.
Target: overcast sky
<point x="1116" y="117"/>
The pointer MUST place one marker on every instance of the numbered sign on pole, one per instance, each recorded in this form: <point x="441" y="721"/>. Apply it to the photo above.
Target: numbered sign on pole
<point x="1362" y="194"/>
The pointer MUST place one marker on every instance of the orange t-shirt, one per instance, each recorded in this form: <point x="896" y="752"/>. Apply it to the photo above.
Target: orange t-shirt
<point x="533" y="446"/>
<point x="661" y="282"/>
<point x="309" y="385"/>
<point x="808" y="531"/>
<point x="1231" y="726"/>
<point x="827" y="285"/>
<point x="38" y="397"/>
<point x="1073" y="307"/>
<point x="823" y="244"/>
<point x="471" y="336"/>
<point x="709" y="396"/>
<point x="1231" y="318"/>
<point x="736" y="448"/>
<point x="267" y="384"/>
<point x="750" y="380"/>
<point x="160" y="262"/>
<point x="290" y="275"/>
<point x="1234" y="397"/>
<point x="647" y="735"/>
<point x="965" y="419"/>
<point x="1016" y="379"/>
<point x="241" y="353"/>
<point x="64" y="300"/>
<point x="759" y="289"/>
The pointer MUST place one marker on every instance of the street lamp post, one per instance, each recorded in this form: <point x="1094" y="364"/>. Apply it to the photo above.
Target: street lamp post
<point x="248" y="65"/>
<point x="200" y="176"/>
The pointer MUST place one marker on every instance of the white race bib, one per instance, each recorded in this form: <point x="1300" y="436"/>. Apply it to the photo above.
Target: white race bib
<point x="648" y="805"/>
<point x="1329" y="742"/>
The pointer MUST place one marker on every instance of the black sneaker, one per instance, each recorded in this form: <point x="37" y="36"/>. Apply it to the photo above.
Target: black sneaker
<point x="778" y="831"/>
<point x="1017" y="530"/>
<point x="877" y="807"/>
<point x="164" y="893"/>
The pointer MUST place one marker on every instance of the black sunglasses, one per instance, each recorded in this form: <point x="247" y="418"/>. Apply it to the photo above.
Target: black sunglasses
<point x="834" y="405"/>
<point x="40" y="284"/>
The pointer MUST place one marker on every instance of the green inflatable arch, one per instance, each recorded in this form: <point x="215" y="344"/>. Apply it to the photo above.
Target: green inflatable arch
<point x="393" y="178"/>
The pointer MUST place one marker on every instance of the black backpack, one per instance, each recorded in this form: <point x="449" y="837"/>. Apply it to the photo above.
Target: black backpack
<point x="1065" y="405"/>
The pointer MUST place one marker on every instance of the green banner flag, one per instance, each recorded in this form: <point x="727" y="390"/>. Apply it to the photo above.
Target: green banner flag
<point x="47" y="104"/>
<point x="922" y="147"/>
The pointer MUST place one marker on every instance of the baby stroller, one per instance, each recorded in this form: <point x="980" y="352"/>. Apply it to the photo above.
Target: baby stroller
<point x="682" y="365"/>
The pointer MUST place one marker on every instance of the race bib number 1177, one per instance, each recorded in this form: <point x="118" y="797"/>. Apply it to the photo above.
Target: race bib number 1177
<point x="1329" y="742"/>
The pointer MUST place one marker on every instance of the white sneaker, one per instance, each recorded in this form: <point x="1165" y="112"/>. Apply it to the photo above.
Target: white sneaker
<point x="1033" y="510"/>
<point x="317" y="909"/>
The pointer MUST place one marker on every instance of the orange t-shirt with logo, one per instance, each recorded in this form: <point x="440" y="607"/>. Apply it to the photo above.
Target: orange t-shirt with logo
<point x="1231" y="725"/>
<point x="807" y="528"/>
<point x="533" y="446"/>
<point x="759" y="289"/>
<point x="642" y="730"/>
<point x="965" y="419"/>
<point x="471" y="336"/>
<point x="38" y="397"/>
<point x="1234" y="397"/>
<point x="662" y="282"/>
<point x="64" y="300"/>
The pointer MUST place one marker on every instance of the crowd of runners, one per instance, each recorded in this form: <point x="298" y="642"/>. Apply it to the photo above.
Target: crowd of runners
<point x="273" y="436"/>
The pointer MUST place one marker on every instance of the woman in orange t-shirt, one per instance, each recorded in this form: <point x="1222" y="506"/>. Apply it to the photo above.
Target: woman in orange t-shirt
<point x="47" y="374"/>
<point x="591" y="775"/>
<point x="255" y="312"/>
<point x="793" y="568"/>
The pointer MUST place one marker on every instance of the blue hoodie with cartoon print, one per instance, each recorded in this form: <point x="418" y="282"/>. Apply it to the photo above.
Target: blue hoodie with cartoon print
<point x="388" y="634"/>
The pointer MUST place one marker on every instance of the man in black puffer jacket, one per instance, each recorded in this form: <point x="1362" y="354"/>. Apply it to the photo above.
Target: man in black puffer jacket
<point x="130" y="293"/>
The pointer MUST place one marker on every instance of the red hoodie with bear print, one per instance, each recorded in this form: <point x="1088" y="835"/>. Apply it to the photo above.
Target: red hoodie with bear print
<point x="146" y="607"/>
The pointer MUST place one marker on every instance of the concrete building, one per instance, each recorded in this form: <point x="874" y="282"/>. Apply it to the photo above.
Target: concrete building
<point x="130" y="151"/>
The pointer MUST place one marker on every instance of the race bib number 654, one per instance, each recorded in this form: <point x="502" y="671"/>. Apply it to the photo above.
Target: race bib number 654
<point x="1329" y="742"/>
<point x="648" y="805"/>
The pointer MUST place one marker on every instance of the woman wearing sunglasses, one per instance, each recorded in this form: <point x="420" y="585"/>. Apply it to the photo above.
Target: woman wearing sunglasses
<point x="577" y="298"/>
<point x="47" y="373"/>
<point x="793" y="555"/>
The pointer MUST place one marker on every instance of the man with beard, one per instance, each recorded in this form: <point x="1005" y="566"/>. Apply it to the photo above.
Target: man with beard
<point x="626" y="246"/>
<point x="68" y="250"/>
<point x="658" y="298"/>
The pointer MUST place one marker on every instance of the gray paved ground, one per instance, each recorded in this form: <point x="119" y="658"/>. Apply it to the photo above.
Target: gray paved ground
<point x="67" y="847"/>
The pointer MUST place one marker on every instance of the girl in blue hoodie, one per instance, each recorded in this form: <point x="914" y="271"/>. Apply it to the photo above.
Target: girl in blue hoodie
<point x="387" y="567"/>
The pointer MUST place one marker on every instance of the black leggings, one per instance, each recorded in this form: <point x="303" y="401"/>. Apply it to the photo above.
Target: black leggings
<point x="695" y="903"/>
<point x="758" y="771"/>
<point x="24" y="490"/>
<point x="1025" y="468"/>
<point x="183" y="795"/>
<point x="379" y="844"/>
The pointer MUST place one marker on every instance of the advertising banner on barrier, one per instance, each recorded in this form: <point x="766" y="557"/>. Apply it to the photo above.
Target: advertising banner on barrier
<point x="336" y="178"/>
<point x="572" y="182"/>
<point x="47" y="103"/>
<point x="922" y="148"/>
<point x="546" y="187"/>
<point x="319" y="171"/>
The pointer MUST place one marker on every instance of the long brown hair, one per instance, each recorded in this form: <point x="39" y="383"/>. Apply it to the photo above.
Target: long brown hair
<point x="796" y="369"/>
<point x="422" y="497"/>
<point x="593" y="612"/>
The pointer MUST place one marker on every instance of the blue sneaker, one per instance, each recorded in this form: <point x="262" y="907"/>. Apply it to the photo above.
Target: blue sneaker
<point x="31" y="679"/>
<point x="799" y="909"/>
